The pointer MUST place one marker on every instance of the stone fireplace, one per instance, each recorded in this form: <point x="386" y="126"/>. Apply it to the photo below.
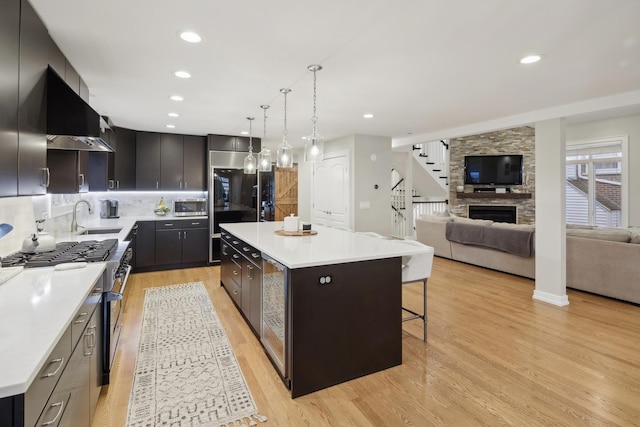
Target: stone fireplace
<point x="494" y="212"/>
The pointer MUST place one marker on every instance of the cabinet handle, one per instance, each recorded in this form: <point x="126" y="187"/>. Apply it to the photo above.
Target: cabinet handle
<point x="235" y="292"/>
<point x="235" y="272"/>
<point x="235" y="242"/>
<point x="195" y="223"/>
<point x="111" y="184"/>
<point x="246" y="249"/>
<point x="179" y="238"/>
<point x="185" y="235"/>
<point x="167" y="224"/>
<point x="181" y="185"/>
<point x="255" y="255"/>
<point x="97" y="290"/>
<point x="60" y="408"/>
<point x="83" y="320"/>
<point x="118" y="184"/>
<point x="185" y="185"/>
<point x="250" y="268"/>
<point x="224" y="250"/>
<point x="47" y="177"/>
<point x="235" y="256"/>
<point x="157" y="185"/>
<point x="81" y="179"/>
<point x="54" y="373"/>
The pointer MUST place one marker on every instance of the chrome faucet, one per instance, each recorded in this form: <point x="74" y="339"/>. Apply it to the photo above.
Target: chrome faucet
<point x="74" y="223"/>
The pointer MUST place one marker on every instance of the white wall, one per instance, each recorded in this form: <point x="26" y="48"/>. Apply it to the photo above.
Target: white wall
<point x="372" y="167"/>
<point x="365" y="174"/>
<point x="628" y="125"/>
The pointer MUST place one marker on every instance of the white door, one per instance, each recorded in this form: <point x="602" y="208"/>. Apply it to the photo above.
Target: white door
<point x="331" y="191"/>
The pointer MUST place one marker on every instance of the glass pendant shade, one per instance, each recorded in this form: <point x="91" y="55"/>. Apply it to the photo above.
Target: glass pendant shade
<point x="285" y="155"/>
<point x="314" y="148"/>
<point x="264" y="160"/>
<point x="250" y="163"/>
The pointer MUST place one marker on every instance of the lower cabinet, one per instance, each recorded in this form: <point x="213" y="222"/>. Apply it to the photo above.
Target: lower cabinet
<point x="181" y="241"/>
<point x="241" y="275"/>
<point x="171" y="243"/>
<point x="66" y="390"/>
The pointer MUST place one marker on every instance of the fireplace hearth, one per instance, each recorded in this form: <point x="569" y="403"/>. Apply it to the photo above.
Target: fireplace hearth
<point x="494" y="213"/>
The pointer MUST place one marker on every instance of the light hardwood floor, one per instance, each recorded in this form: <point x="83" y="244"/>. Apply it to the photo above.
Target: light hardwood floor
<point x="494" y="357"/>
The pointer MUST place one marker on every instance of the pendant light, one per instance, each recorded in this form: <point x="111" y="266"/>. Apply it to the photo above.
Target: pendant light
<point x="264" y="159"/>
<point x="250" y="163"/>
<point x="284" y="158"/>
<point x="314" y="147"/>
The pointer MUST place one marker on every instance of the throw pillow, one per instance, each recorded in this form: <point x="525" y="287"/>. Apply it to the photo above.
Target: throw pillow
<point x="436" y="218"/>
<point x="635" y="238"/>
<point x="524" y="227"/>
<point x="611" y="234"/>
<point x="472" y="221"/>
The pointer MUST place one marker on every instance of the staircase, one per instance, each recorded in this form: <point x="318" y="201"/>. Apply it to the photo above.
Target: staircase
<point x="434" y="158"/>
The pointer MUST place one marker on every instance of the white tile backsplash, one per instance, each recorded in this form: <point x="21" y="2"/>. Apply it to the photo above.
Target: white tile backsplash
<point x="21" y="212"/>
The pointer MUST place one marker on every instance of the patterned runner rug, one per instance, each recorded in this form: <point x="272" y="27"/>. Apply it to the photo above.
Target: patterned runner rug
<point x="186" y="373"/>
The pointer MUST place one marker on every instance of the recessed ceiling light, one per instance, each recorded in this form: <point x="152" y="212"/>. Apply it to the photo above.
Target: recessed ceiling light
<point x="190" y="36"/>
<point x="530" y="59"/>
<point x="244" y="132"/>
<point x="182" y="74"/>
<point x="368" y="116"/>
<point x="171" y="126"/>
<point x="176" y="98"/>
<point x="173" y="115"/>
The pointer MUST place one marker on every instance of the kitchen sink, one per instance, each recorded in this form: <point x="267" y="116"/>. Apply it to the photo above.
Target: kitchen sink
<point x="101" y="231"/>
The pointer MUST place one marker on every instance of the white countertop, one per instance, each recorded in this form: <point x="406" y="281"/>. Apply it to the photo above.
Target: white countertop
<point x="329" y="246"/>
<point x="36" y="307"/>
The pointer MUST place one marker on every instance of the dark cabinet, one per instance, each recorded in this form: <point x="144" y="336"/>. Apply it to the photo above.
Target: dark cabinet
<point x="241" y="275"/>
<point x="194" y="161"/>
<point x="147" y="161"/>
<point x="68" y="171"/>
<point x="32" y="124"/>
<point x="181" y="242"/>
<point x="232" y="143"/>
<point x="9" y="75"/>
<point x="170" y="162"/>
<point x="145" y="244"/>
<point x="124" y="160"/>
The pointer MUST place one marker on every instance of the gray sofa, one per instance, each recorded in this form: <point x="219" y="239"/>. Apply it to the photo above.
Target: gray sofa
<point x="603" y="261"/>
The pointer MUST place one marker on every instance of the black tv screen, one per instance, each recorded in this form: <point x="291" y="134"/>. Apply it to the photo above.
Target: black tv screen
<point x="504" y="169"/>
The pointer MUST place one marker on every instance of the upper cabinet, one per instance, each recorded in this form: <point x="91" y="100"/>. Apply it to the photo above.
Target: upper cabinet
<point x="170" y="162"/>
<point x="147" y="161"/>
<point x="9" y="75"/>
<point x="232" y="143"/>
<point x="122" y="166"/>
<point x="68" y="171"/>
<point x="32" y="117"/>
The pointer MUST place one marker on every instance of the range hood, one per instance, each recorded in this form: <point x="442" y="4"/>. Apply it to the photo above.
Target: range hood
<point x="71" y="123"/>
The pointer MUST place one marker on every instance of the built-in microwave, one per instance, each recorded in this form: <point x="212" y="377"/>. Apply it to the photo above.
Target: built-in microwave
<point x="190" y="207"/>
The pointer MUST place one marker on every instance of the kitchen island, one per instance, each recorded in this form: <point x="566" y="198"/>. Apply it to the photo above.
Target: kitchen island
<point x="328" y="306"/>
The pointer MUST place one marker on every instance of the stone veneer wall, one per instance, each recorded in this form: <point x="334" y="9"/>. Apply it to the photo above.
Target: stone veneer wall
<point x="510" y="141"/>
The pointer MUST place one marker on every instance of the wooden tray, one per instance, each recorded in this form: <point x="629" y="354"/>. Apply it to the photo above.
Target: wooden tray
<point x="296" y="233"/>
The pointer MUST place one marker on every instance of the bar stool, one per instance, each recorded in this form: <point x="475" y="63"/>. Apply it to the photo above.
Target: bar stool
<point x="418" y="269"/>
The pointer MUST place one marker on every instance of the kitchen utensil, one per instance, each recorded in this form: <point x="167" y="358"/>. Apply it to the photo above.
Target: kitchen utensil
<point x="39" y="241"/>
<point x="5" y="229"/>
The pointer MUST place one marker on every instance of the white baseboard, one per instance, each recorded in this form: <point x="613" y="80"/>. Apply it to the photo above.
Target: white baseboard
<point x="559" y="300"/>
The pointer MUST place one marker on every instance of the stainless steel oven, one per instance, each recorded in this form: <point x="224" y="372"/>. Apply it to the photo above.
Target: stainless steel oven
<point x="117" y="274"/>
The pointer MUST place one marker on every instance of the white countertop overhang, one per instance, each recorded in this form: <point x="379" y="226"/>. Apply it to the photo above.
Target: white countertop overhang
<point x="36" y="307"/>
<point x="329" y="246"/>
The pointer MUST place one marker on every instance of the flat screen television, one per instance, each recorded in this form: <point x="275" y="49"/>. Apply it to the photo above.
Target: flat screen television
<point x="503" y="169"/>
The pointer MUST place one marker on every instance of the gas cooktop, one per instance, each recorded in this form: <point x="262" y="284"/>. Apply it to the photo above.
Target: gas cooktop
<point x="86" y="251"/>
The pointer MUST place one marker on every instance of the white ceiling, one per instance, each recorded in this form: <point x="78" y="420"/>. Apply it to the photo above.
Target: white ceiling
<point x="423" y="67"/>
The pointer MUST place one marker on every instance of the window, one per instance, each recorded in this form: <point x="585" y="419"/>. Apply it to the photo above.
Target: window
<point x="596" y="177"/>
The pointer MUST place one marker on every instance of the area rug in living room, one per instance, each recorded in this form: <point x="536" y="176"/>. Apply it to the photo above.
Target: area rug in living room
<point x="186" y="373"/>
